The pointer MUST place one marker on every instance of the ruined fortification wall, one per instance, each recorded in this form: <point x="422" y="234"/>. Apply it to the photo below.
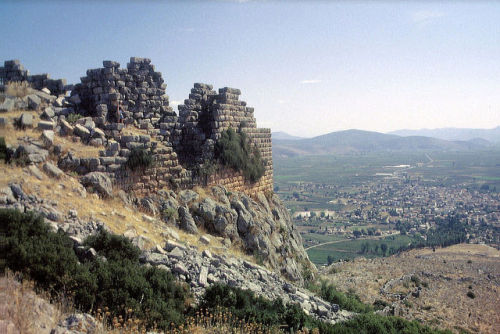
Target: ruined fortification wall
<point x="183" y="145"/>
<point x="14" y="71"/>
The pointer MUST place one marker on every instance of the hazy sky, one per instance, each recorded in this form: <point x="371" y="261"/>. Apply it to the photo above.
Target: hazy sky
<point x="307" y="67"/>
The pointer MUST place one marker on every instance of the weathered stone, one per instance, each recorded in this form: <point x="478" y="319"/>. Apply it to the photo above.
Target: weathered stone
<point x="170" y="244"/>
<point x="81" y="131"/>
<point x="187" y="196"/>
<point x="204" y="239"/>
<point x="46" y="125"/>
<point x="203" y="279"/>
<point x="7" y="105"/>
<point x="17" y="191"/>
<point x="187" y="222"/>
<point x="100" y="182"/>
<point x="34" y="101"/>
<point x="66" y="128"/>
<point x="26" y="120"/>
<point x="7" y="195"/>
<point x="33" y="169"/>
<point x="179" y="268"/>
<point x="48" y="137"/>
<point x="48" y="113"/>
<point x="75" y="99"/>
<point x="176" y="253"/>
<point x="32" y="153"/>
<point x="52" y="170"/>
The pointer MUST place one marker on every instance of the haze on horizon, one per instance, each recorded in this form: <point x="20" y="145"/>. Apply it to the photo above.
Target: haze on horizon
<point x="308" y="67"/>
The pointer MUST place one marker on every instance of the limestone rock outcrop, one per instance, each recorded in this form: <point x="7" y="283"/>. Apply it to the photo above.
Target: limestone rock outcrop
<point x="262" y="226"/>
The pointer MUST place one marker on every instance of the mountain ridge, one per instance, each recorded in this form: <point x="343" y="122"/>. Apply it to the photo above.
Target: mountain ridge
<point x="450" y="133"/>
<point x="361" y="141"/>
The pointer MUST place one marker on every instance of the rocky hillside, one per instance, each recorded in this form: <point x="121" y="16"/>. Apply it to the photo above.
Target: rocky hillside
<point x="203" y="235"/>
<point x="456" y="287"/>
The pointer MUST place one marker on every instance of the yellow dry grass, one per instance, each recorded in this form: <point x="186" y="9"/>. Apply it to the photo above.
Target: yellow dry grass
<point x="18" y="89"/>
<point x="449" y="274"/>
<point x="67" y="193"/>
<point x="23" y="311"/>
<point x="12" y="134"/>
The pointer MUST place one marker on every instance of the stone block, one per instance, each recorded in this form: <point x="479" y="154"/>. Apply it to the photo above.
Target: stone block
<point x="34" y="102"/>
<point x="26" y="120"/>
<point x="48" y="137"/>
<point x="52" y="170"/>
<point x="81" y="131"/>
<point x="7" y="105"/>
<point x="46" y="125"/>
<point x="110" y="64"/>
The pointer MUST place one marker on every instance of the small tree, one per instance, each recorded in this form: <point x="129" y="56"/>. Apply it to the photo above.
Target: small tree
<point x="383" y="247"/>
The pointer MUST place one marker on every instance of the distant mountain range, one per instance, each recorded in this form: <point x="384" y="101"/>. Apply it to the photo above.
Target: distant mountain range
<point x="285" y="136"/>
<point x="492" y="135"/>
<point x="358" y="141"/>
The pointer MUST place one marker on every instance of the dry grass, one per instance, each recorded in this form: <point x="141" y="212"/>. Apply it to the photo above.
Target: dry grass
<point x="11" y="135"/>
<point x="69" y="194"/>
<point x="25" y="310"/>
<point x="18" y="89"/>
<point x="449" y="273"/>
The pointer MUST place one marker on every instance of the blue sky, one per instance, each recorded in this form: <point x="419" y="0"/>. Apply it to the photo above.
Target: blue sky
<point x="308" y="67"/>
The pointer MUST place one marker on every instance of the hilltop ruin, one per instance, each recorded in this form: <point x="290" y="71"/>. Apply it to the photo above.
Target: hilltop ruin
<point x="183" y="146"/>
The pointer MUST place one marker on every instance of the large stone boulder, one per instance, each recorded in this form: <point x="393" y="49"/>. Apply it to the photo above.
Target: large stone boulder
<point x="52" y="170"/>
<point x="26" y="120"/>
<point x="98" y="181"/>
<point x="8" y="104"/>
<point x="34" y="101"/>
<point x="187" y="222"/>
<point x="32" y="153"/>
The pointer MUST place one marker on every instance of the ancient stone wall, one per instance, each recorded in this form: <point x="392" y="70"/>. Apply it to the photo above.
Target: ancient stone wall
<point x="14" y="71"/>
<point x="183" y="145"/>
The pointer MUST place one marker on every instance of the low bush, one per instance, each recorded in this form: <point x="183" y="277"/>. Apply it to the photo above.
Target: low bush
<point x="350" y="302"/>
<point x="139" y="159"/>
<point x="233" y="150"/>
<point x="244" y="305"/>
<point x="114" y="279"/>
<point x="73" y="117"/>
<point x="5" y="153"/>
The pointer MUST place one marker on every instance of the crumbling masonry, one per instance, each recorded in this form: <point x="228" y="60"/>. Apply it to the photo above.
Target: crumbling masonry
<point x="183" y="145"/>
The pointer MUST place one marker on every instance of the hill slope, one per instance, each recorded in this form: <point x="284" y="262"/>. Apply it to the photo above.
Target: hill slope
<point x="492" y="135"/>
<point x="358" y="141"/>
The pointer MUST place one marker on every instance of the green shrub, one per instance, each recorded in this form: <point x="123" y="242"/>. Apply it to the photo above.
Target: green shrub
<point x="31" y="248"/>
<point x="73" y="117"/>
<point x="233" y="150"/>
<point x="370" y="323"/>
<point x="380" y="304"/>
<point x="246" y="306"/>
<point x="249" y="308"/>
<point x="169" y="214"/>
<point x="349" y="302"/>
<point x="5" y="153"/>
<point x="118" y="282"/>
<point x="113" y="247"/>
<point x="139" y="159"/>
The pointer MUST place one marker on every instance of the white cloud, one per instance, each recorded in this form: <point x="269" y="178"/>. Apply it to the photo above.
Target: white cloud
<point x="175" y="102"/>
<point x="311" y="81"/>
<point x="282" y="101"/>
<point x="424" y="16"/>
